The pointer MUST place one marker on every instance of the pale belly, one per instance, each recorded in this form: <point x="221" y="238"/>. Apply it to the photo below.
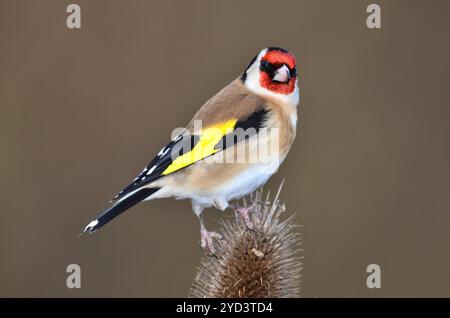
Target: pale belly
<point x="213" y="186"/>
<point x="246" y="182"/>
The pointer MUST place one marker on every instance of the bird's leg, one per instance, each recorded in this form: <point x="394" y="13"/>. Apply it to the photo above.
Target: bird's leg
<point x="244" y="214"/>
<point x="207" y="237"/>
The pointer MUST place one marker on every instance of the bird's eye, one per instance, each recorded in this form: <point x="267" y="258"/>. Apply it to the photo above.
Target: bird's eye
<point x="267" y="67"/>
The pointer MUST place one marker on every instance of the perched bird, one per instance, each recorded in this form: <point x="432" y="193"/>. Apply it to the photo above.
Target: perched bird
<point x="232" y="145"/>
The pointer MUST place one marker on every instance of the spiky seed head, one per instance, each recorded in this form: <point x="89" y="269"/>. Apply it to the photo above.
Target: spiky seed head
<point x="260" y="263"/>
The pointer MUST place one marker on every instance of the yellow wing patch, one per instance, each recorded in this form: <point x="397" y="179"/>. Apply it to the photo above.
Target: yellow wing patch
<point x="205" y="146"/>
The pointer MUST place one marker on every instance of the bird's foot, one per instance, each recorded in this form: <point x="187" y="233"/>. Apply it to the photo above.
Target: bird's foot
<point x="244" y="213"/>
<point x="206" y="242"/>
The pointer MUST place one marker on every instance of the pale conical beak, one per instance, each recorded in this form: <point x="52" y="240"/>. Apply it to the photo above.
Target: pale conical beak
<point x="282" y="74"/>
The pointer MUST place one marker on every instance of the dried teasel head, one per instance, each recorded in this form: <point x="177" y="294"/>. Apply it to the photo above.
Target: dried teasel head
<point x="259" y="263"/>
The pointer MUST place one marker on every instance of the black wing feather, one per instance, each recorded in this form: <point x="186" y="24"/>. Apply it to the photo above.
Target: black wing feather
<point x="120" y="207"/>
<point x="244" y="129"/>
<point x="174" y="149"/>
<point x="185" y="143"/>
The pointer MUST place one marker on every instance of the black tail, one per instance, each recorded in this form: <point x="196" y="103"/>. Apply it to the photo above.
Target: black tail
<point x="119" y="207"/>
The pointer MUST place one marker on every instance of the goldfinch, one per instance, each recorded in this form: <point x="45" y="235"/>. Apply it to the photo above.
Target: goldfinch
<point x="232" y="145"/>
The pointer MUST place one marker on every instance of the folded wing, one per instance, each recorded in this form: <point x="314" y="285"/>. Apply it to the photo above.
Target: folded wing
<point x="186" y="149"/>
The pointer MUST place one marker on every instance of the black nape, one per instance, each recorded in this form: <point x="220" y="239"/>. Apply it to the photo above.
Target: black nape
<point x="275" y="48"/>
<point x="244" y="75"/>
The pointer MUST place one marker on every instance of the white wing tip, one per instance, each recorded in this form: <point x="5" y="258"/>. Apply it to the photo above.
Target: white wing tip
<point x="90" y="226"/>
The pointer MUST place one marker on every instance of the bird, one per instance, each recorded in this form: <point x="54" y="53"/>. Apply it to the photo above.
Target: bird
<point x="234" y="143"/>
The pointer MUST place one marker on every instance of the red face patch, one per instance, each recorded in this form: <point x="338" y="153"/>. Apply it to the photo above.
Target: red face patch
<point x="282" y="88"/>
<point x="278" y="58"/>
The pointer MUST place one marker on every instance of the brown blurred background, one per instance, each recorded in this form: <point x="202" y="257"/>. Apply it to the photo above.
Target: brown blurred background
<point x="82" y="112"/>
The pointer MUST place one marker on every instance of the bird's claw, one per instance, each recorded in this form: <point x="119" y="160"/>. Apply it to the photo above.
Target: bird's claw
<point x="244" y="213"/>
<point x="207" y="243"/>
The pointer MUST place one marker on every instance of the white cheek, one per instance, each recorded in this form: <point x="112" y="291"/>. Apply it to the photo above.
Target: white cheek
<point x="293" y="119"/>
<point x="252" y="83"/>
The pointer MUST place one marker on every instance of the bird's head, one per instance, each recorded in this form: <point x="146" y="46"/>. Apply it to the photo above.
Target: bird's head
<point x="273" y="72"/>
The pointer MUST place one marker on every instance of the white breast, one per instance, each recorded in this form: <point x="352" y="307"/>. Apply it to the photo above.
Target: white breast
<point x="248" y="180"/>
